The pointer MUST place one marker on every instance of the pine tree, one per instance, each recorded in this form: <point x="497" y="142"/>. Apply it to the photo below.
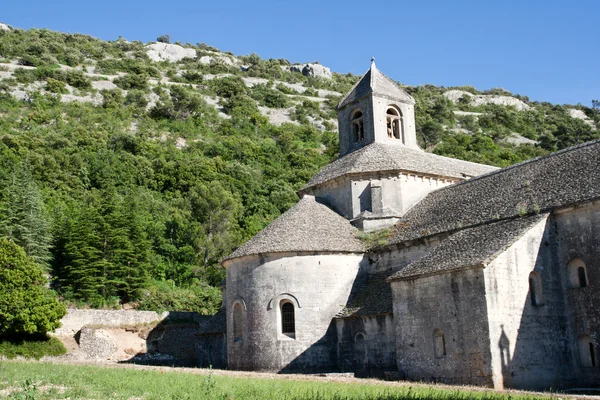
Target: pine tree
<point x="23" y="216"/>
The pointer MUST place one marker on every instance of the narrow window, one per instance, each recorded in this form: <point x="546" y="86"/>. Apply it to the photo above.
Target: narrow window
<point x="577" y="273"/>
<point x="532" y="292"/>
<point x="360" y="350"/>
<point x="587" y="351"/>
<point x="439" y="343"/>
<point x="535" y="289"/>
<point x="237" y="322"/>
<point x="358" y="129"/>
<point x="288" y="321"/>
<point x="582" y="277"/>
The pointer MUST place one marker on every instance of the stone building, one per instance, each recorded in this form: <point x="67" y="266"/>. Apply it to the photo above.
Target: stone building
<point x="489" y="278"/>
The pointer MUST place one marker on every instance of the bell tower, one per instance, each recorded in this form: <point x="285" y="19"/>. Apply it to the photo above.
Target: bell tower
<point x="376" y="110"/>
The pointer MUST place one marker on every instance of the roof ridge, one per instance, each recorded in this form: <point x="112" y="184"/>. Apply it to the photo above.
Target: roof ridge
<point x="517" y="165"/>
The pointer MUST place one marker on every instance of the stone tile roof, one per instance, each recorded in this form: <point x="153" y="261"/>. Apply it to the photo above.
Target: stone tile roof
<point x="215" y="325"/>
<point x="469" y="247"/>
<point x="373" y="298"/>
<point x="563" y="178"/>
<point x="395" y="157"/>
<point x="308" y="226"/>
<point x="373" y="81"/>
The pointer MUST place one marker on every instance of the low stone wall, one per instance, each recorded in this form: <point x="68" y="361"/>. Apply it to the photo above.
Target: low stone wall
<point x="77" y="319"/>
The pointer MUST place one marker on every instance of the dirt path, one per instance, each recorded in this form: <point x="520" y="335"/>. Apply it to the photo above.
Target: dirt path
<point x="340" y="378"/>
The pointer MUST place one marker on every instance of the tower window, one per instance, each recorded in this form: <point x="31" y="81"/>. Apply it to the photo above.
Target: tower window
<point x="439" y="343"/>
<point x="358" y="128"/>
<point x="237" y="322"/>
<point x="395" y="129"/>
<point x="288" y="319"/>
<point x="577" y="273"/>
<point x="535" y="289"/>
<point x="587" y="351"/>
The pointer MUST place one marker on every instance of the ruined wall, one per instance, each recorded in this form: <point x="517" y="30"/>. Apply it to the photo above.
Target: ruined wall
<point x="211" y="351"/>
<point x="77" y="319"/>
<point x="318" y="285"/>
<point x="527" y="341"/>
<point x="454" y="304"/>
<point x="578" y="234"/>
<point x="374" y="354"/>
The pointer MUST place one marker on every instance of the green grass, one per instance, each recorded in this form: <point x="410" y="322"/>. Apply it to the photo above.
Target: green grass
<point x="52" y="381"/>
<point x="32" y="347"/>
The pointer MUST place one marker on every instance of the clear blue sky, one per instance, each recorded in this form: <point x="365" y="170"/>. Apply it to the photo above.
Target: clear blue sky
<point x="548" y="50"/>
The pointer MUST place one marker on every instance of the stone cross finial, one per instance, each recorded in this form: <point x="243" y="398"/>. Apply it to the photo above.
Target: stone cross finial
<point x="372" y="62"/>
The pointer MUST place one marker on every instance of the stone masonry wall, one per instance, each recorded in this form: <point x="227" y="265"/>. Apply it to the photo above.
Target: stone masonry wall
<point x="578" y="236"/>
<point x="318" y="286"/>
<point x="376" y="355"/>
<point x="77" y="319"/>
<point x="453" y="303"/>
<point x="527" y="341"/>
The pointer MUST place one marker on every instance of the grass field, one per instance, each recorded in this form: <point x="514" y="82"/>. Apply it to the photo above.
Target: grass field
<point x="33" y="380"/>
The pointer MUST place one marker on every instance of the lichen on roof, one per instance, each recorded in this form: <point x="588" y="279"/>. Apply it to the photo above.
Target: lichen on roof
<point x="469" y="247"/>
<point x="397" y="157"/>
<point x="308" y="226"/>
<point x="561" y="179"/>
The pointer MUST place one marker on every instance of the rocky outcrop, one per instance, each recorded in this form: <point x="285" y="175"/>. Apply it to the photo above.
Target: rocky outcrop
<point x="481" y="99"/>
<point x="96" y="343"/>
<point x="168" y="52"/>
<point x="312" y="69"/>
<point x="4" y="27"/>
<point x="578" y="114"/>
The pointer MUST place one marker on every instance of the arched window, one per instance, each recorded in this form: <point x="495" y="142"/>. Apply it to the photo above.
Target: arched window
<point x="535" y="289"/>
<point x="439" y="343"/>
<point x="358" y="128"/>
<point x="395" y="128"/>
<point x="288" y="319"/>
<point x="360" y="350"/>
<point x="587" y="351"/>
<point x="238" y="327"/>
<point x="577" y="273"/>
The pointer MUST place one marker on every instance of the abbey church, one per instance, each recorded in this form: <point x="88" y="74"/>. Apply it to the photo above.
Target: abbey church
<point x="490" y="276"/>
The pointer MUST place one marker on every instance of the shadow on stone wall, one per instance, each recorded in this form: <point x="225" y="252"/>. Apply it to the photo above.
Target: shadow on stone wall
<point x="541" y="357"/>
<point x="172" y="342"/>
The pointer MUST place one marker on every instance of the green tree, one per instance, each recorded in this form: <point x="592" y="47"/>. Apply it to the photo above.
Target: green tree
<point x="27" y="306"/>
<point x="23" y="216"/>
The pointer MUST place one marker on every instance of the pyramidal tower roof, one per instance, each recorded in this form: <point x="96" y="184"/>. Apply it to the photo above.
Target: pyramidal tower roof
<point x="308" y="226"/>
<point x="376" y="83"/>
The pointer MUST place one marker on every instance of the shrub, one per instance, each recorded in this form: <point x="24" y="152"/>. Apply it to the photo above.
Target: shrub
<point x="28" y="306"/>
<point x="32" y="347"/>
<point x="228" y="86"/>
<point x="56" y="86"/>
<point x="112" y="98"/>
<point x="199" y="297"/>
<point x="164" y="39"/>
<point x="78" y="79"/>
<point x="132" y="81"/>
<point x="136" y="98"/>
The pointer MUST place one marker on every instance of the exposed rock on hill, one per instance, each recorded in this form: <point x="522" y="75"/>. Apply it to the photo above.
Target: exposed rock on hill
<point x="168" y="52"/>
<point x="310" y="69"/>
<point x="4" y="27"/>
<point x="478" y="100"/>
<point x="574" y="113"/>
